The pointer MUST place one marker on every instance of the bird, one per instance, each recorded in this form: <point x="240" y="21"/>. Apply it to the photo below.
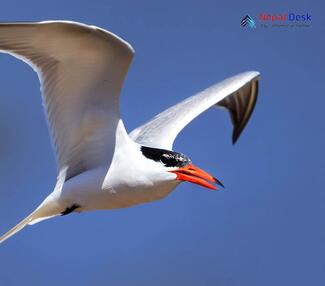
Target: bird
<point x="100" y="166"/>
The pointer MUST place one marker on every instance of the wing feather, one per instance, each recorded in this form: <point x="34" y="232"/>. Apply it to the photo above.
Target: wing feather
<point x="81" y="69"/>
<point x="240" y="105"/>
<point x="237" y="94"/>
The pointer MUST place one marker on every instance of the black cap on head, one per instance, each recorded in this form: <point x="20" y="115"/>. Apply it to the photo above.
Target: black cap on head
<point x="168" y="158"/>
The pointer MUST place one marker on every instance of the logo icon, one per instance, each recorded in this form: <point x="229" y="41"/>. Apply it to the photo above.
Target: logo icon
<point x="248" y="20"/>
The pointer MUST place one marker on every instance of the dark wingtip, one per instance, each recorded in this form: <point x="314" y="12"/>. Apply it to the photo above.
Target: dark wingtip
<point x="235" y="137"/>
<point x="240" y="125"/>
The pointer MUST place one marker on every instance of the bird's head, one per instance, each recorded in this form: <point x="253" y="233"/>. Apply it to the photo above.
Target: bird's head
<point x="180" y="165"/>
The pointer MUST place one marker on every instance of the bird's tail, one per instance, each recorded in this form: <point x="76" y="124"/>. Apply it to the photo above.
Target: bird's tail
<point x="41" y="213"/>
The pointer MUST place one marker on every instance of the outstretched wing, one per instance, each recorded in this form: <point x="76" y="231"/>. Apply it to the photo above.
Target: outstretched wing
<point x="81" y="69"/>
<point x="237" y="94"/>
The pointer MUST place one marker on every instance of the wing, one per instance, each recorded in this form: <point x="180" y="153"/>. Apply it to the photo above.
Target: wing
<point x="81" y="69"/>
<point x="237" y="94"/>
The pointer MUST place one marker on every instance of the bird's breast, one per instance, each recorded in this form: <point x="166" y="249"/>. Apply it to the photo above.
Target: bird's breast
<point x="94" y="191"/>
<point x="126" y="195"/>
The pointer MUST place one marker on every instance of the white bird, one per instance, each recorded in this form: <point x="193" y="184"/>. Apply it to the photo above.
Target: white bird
<point x="81" y="69"/>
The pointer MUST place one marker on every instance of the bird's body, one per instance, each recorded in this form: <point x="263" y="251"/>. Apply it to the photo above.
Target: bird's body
<point x="130" y="179"/>
<point x="104" y="188"/>
<point x="100" y="166"/>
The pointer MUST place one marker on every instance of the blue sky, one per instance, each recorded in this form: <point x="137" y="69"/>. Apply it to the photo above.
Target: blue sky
<point x="265" y="228"/>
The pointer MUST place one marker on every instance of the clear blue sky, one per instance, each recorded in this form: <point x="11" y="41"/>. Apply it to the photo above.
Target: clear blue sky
<point x="266" y="228"/>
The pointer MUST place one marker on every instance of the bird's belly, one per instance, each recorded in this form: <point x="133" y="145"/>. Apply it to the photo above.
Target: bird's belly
<point x="123" y="197"/>
<point x="95" y="195"/>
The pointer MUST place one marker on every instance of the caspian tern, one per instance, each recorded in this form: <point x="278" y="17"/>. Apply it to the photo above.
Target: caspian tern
<point x="81" y="69"/>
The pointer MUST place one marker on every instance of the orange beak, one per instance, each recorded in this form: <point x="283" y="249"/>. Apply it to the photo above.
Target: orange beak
<point x="193" y="174"/>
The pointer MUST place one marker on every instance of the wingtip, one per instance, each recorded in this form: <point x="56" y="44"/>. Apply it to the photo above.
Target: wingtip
<point x="239" y="129"/>
<point x="235" y="137"/>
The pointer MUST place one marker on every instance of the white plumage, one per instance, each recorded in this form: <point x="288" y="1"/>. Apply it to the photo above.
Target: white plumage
<point x="81" y="69"/>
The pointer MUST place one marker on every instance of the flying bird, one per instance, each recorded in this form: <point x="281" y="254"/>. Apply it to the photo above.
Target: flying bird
<point x="100" y="166"/>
